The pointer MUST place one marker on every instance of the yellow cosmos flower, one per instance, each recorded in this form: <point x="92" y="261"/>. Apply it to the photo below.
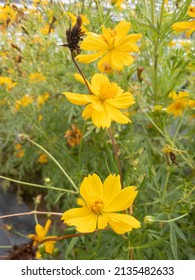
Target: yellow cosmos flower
<point x="180" y="102"/>
<point x="23" y="102"/>
<point x="40" y="235"/>
<point x="36" y="77"/>
<point x="114" y="46"/>
<point x="101" y="202"/>
<point x="188" y="26"/>
<point x="7" y="13"/>
<point x="104" y="102"/>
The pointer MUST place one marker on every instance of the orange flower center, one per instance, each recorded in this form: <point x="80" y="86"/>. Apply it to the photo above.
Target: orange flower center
<point x="97" y="207"/>
<point x="108" y="90"/>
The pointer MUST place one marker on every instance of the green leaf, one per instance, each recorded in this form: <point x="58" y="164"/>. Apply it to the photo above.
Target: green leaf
<point x="179" y="232"/>
<point x="173" y="241"/>
<point x="71" y="246"/>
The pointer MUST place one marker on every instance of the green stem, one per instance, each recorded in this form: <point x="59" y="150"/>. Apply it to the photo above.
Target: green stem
<point x="166" y="183"/>
<point x="81" y="146"/>
<point x="172" y="220"/>
<point x="54" y="160"/>
<point x="37" y="185"/>
<point x="116" y="155"/>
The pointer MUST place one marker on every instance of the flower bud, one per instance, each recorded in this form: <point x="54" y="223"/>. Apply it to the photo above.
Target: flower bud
<point x="149" y="220"/>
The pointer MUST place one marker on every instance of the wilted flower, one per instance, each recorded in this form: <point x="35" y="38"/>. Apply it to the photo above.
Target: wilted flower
<point x="104" y="102"/>
<point x="101" y="204"/>
<point x="73" y="136"/>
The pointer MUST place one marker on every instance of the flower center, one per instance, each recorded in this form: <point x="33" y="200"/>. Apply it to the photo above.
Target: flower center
<point x="108" y="90"/>
<point x="111" y="35"/>
<point x="97" y="207"/>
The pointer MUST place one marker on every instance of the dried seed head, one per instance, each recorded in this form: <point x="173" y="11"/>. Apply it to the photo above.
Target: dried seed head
<point x="74" y="36"/>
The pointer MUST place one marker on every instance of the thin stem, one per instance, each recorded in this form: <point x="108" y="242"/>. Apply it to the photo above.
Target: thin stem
<point x="31" y="213"/>
<point x="37" y="185"/>
<point x="172" y="220"/>
<point x="116" y="154"/>
<point x="81" y="72"/>
<point x="80" y="146"/>
<point x="54" y="160"/>
<point x="166" y="183"/>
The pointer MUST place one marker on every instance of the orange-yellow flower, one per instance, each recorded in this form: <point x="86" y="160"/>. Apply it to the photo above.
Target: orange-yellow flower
<point x="104" y="102"/>
<point x="188" y="26"/>
<point x="113" y="45"/>
<point x="23" y="102"/>
<point x="36" y="78"/>
<point x="180" y="102"/>
<point x="43" y="159"/>
<point x="40" y="235"/>
<point x="101" y="204"/>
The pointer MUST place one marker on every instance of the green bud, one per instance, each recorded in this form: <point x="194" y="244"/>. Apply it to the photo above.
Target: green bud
<point x="149" y="220"/>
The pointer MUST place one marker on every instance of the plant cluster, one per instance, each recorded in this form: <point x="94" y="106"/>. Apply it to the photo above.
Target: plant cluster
<point x="97" y="124"/>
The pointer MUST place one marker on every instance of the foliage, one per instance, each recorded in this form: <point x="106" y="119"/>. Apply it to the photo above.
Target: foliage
<point x="38" y="123"/>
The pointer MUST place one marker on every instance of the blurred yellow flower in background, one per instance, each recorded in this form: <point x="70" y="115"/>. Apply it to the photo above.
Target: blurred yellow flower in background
<point x="23" y="102"/>
<point x="113" y="45"/>
<point x="43" y="159"/>
<point x="181" y="102"/>
<point x="36" y="78"/>
<point x="84" y="18"/>
<point x="101" y="204"/>
<point x="188" y="26"/>
<point x="104" y="102"/>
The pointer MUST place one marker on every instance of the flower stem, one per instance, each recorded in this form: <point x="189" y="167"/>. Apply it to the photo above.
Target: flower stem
<point x="80" y="71"/>
<point x="116" y="155"/>
<point x="172" y="220"/>
<point x="37" y="185"/>
<point x="54" y="160"/>
<point x="30" y="213"/>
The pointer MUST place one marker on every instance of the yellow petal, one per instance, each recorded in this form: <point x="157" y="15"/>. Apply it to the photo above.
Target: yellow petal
<point x="49" y="246"/>
<point x="40" y="231"/>
<point x="94" y="42"/>
<point x="82" y="218"/>
<point x="87" y="58"/>
<point x="111" y="186"/>
<point x="191" y="11"/>
<point x="122" y="101"/>
<point x="122" y="29"/>
<point x="91" y="188"/>
<point x="101" y="118"/>
<point x="102" y="222"/>
<point x="116" y="115"/>
<point x="122" y="200"/>
<point x="184" y="25"/>
<point x="98" y="80"/>
<point x="122" y="223"/>
<point x="79" y="99"/>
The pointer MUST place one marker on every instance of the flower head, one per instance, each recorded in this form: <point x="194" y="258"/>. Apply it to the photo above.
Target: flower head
<point x="188" y="26"/>
<point x="113" y="45"/>
<point x="40" y="235"/>
<point x="104" y="102"/>
<point x="101" y="201"/>
<point x="73" y="136"/>
<point x="180" y="102"/>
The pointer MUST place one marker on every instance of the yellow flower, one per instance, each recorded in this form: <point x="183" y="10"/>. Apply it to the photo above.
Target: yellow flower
<point x="41" y="99"/>
<point x="84" y="18"/>
<point x="101" y="202"/>
<point x="23" y="102"/>
<point x="8" y="82"/>
<point x="188" y="26"/>
<point x="43" y="159"/>
<point x="40" y="235"/>
<point x="19" y="151"/>
<point x="104" y="102"/>
<point x="7" y="13"/>
<point x="114" y="46"/>
<point x="36" y="77"/>
<point x="180" y="102"/>
<point x="117" y="3"/>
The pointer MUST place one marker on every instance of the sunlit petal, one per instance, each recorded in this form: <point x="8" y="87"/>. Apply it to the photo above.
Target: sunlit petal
<point x="122" y="223"/>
